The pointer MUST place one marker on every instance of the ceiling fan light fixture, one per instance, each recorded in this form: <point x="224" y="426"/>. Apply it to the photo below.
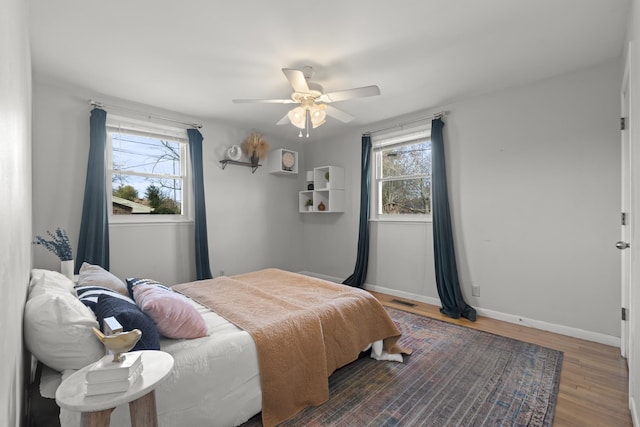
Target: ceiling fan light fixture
<point x="316" y="124"/>
<point x="297" y="117"/>
<point x="318" y="115"/>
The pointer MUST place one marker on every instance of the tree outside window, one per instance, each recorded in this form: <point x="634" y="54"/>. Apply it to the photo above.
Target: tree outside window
<point x="147" y="172"/>
<point x="403" y="179"/>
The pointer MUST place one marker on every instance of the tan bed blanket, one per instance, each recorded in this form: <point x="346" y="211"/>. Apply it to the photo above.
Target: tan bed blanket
<point x="304" y="329"/>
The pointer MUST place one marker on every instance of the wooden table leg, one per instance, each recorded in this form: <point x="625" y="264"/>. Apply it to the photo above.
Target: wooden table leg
<point x="96" y="419"/>
<point x="143" y="411"/>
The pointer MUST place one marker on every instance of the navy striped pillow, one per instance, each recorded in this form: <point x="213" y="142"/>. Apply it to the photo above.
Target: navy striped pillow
<point x="89" y="295"/>
<point x="130" y="317"/>
<point x="134" y="281"/>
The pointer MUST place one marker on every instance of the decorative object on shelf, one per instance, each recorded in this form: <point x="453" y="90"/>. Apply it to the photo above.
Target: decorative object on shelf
<point x="256" y="147"/>
<point x="234" y="153"/>
<point x="310" y="180"/>
<point x="288" y="160"/>
<point x="326" y="177"/>
<point x="119" y="343"/>
<point x="309" y="204"/>
<point x="322" y="207"/>
<point x="282" y="161"/>
<point x="59" y="244"/>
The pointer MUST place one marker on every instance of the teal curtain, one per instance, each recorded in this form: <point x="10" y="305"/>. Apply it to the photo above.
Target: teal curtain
<point x="453" y="303"/>
<point x="93" y="243"/>
<point x="203" y="270"/>
<point x="359" y="275"/>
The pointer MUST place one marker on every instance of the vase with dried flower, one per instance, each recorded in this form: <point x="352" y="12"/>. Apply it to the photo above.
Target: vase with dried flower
<point x="59" y="244"/>
<point x="256" y="147"/>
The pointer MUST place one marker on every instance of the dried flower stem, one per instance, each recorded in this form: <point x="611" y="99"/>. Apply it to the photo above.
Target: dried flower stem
<point x="255" y="143"/>
<point x="59" y="244"/>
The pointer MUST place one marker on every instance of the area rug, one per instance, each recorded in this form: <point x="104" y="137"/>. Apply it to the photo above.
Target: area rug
<point x="456" y="376"/>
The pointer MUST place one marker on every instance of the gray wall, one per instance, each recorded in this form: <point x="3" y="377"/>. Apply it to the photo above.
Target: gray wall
<point x="252" y="218"/>
<point x="534" y="180"/>
<point x="15" y="192"/>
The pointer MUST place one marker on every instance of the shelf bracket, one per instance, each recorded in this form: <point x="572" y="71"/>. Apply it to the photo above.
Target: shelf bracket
<point x="226" y="162"/>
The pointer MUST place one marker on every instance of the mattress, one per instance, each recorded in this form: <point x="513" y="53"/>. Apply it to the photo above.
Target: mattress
<point x="215" y="380"/>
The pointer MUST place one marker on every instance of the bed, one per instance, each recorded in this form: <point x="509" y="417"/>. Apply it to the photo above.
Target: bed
<point x="226" y="377"/>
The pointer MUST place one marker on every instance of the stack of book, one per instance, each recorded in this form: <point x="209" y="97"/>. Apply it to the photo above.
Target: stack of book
<point x="107" y="376"/>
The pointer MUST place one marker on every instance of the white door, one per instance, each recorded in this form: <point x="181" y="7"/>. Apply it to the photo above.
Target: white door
<point x="625" y="229"/>
<point x="631" y="337"/>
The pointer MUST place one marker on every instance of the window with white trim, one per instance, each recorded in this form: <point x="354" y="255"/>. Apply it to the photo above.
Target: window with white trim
<point x="401" y="175"/>
<point x="148" y="170"/>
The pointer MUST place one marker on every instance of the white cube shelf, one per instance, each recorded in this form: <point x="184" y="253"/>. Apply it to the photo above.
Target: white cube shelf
<point x="276" y="161"/>
<point x="328" y="192"/>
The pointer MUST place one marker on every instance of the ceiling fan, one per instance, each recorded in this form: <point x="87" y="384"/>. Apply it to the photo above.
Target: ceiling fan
<point x="313" y="109"/>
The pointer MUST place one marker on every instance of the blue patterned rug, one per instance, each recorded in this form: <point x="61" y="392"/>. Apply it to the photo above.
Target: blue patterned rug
<point x="456" y="376"/>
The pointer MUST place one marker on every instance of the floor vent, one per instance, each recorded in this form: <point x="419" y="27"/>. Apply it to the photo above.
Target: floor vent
<point x="407" y="303"/>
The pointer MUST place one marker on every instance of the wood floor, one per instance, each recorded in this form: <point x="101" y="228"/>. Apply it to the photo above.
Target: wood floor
<point x="594" y="380"/>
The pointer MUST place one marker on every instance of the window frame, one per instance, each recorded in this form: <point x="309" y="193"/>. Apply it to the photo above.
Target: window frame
<point x="379" y="143"/>
<point x="126" y="125"/>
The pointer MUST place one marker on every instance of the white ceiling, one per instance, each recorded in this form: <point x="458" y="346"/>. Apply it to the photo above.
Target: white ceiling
<point x="195" y="56"/>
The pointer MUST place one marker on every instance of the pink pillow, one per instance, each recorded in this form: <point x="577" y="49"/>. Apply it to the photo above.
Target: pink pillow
<point x="173" y="313"/>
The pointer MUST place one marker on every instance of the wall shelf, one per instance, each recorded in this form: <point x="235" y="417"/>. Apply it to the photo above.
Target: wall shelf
<point x="234" y="162"/>
<point x="328" y="192"/>
<point x="278" y="158"/>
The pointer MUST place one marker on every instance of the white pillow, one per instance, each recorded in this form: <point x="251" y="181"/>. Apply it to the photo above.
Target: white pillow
<point x="49" y="281"/>
<point x="58" y="331"/>
<point x="94" y="275"/>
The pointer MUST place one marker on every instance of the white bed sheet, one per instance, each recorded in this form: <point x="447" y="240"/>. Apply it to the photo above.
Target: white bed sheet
<point x="215" y="380"/>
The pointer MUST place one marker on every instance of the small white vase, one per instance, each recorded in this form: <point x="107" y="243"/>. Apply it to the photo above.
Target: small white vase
<point x="66" y="268"/>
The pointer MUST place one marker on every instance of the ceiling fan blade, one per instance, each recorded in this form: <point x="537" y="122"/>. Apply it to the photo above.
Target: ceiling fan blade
<point x="296" y="79"/>
<point x="263" y="101"/>
<point x="338" y="114"/>
<point x="343" y="95"/>
<point x="285" y="120"/>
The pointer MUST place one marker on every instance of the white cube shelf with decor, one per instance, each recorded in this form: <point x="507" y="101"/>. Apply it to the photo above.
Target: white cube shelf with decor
<point x="327" y="195"/>
<point x="328" y="178"/>
<point x="282" y="161"/>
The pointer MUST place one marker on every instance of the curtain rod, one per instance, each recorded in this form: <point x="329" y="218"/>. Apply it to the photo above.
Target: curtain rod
<point x="400" y="125"/>
<point x="155" y="116"/>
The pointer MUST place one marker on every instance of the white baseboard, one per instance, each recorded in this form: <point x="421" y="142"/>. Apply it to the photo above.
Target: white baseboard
<point x="322" y="276"/>
<point x="511" y="318"/>
<point x="635" y="417"/>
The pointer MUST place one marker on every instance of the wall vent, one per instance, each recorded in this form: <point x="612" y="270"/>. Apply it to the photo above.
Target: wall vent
<point x="407" y="303"/>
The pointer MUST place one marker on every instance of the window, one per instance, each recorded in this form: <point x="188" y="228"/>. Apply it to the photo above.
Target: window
<point x="402" y="175"/>
<point x="147" y="167"/>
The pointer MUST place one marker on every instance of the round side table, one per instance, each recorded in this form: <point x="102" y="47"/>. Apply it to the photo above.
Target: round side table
<point x="96" y="410"/>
